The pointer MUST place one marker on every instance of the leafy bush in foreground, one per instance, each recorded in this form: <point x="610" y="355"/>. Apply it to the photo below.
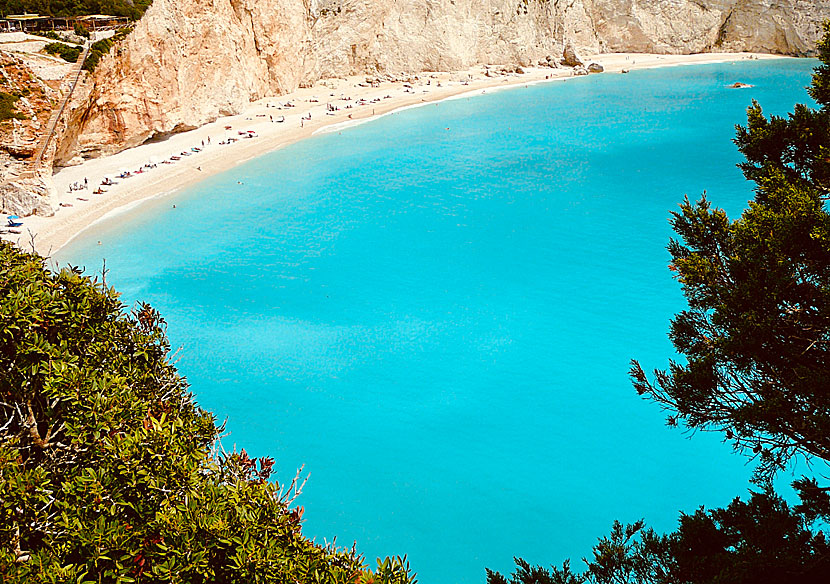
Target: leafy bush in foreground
<point x="107" y="466"/>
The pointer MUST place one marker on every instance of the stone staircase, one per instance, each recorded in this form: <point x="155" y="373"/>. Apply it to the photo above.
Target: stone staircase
<point x="72" y="78"/>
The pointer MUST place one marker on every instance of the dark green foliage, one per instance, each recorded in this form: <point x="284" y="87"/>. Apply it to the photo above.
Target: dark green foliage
<point x="820" y="88"/>
<point x="81" y="30"/>
<point x="49" y="34"/>
<point x="7" y="109"/>
<point x="760" y="541"/>
<point x="66" y="52"/>
<point x="631" y="553"/>
<point x="527" y="574"/>
<point x="132" y="9"/>
<point x="107" y="470"/>
<point x="96" y="51"/>
<point x="815" y="501"/>
<point x="102" y="47"/>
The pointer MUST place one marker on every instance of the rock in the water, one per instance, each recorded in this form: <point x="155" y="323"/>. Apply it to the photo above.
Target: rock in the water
<point x="569" y="56"/>
<point x="739" y="85"/>
<point x="595" y="68"/>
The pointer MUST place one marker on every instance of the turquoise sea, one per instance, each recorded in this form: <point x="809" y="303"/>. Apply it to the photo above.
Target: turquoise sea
<point x="435" y="311"/>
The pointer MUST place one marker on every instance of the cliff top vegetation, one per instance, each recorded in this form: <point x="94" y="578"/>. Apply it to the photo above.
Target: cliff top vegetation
<point x="132" y="9"/>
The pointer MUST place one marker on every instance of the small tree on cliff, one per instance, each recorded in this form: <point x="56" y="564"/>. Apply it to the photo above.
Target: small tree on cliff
<point x="107" y="467"/>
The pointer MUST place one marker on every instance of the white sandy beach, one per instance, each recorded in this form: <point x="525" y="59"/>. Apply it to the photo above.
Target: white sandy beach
<point x="79" y="209"/>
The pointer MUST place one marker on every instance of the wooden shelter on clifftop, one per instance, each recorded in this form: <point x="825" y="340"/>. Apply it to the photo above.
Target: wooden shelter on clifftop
<point x="37" y="23"/>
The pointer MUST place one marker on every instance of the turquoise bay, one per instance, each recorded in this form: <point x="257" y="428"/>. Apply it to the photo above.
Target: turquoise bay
<point x="435" y="311"/>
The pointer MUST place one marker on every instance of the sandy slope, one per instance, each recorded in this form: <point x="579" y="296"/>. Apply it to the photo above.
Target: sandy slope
<point x="75" y="214"/>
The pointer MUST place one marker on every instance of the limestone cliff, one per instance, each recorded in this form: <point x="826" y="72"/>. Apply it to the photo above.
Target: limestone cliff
<point x="190" y="61"/>
<point x="23" y="185"/>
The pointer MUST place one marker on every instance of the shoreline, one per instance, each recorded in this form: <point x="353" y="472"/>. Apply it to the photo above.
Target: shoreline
<point x="80" y="210"/>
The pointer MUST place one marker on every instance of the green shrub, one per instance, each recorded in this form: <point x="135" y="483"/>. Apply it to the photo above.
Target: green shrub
<point x="102" y="47"/>
<point x="81" y="30"/>
<point x="98" y="50"/>
<point x="65" y="52"/>
<point x="7" y="110"/>
<point x="108" y="467"/>
<point x="49" y="34"/>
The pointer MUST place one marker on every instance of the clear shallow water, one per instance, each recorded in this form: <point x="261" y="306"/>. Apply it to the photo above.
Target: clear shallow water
<point x="434" y="312"/>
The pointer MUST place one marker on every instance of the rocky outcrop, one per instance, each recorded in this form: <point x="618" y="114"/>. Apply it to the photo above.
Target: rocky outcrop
<point x="569" y="56"/>
<point x="680" y="26"/>
<point x="190" y="61"/>
<point x="24" y="189"/>
<point x="768" y="26"/>
<point x="26" y="193"/>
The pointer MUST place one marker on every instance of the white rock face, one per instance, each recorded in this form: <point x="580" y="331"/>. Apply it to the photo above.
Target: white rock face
<point x="187" y="63"/>
<point x="190" y="61"/>
<point x="397" y="36"/>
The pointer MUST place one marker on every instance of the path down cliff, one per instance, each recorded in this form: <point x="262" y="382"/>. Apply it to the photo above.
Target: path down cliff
<point x="71" y="83"/>
<point x="189" y="61"/>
